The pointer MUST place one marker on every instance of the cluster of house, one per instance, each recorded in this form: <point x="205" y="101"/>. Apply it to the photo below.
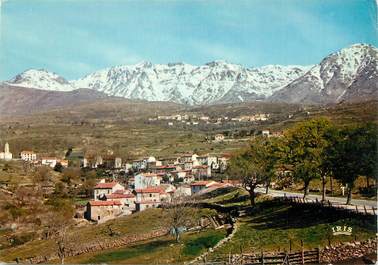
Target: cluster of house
<point x="73" y="157"/>
<point x="154" y="182"/>
<point x="251" y="118"/>
<point x="112" y="200"/>
<point x="185" y="166"/>
<point x="195" y="120"/>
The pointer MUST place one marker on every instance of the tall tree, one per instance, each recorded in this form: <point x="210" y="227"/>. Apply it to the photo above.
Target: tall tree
<point x="251" y="166"/>
<point x="306" y="143"/>
<point x="354" y="153"/>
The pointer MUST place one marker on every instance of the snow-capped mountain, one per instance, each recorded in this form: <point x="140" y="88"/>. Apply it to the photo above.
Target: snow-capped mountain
<point x="217" y="81"/>
<point x="347" y="75"/>
<point x="41" y="79"/>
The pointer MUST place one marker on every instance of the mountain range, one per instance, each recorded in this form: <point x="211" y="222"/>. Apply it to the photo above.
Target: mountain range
<point x="350" y="74"/>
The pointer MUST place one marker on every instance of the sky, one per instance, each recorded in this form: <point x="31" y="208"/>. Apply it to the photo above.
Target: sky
<point x="76" y="37"/>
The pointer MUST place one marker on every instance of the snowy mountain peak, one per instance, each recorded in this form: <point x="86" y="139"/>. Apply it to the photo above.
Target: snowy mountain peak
<point x="215" y="81"/>
<point x="335" y="78"/>
<point x="41" y="79"/>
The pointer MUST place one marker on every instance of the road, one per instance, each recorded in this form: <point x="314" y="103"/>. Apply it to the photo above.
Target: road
<point x="336" y="200"/>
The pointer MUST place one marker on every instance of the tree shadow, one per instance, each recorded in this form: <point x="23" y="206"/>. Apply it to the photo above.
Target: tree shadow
<point x="277" y="214"/>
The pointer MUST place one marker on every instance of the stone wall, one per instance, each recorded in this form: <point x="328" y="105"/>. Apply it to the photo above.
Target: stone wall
<point x="97" y="246"/>
<point x="348" y="250"/>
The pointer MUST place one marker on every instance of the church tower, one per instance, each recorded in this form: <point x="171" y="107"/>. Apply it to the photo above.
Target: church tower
<point x="6" y="148"/>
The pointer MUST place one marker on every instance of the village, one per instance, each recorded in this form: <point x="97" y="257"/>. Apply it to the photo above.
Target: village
<point x="133" y="186"/>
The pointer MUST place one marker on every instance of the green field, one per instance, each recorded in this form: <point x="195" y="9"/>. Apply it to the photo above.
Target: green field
<point x="161" y="250"/>
<point x="273" y="226"/>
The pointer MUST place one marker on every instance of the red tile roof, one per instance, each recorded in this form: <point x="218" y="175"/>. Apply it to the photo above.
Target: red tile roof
<point x="27" y="152"/>
<point x="147" y="202"/>
<point x="119" y="196"/>
<point x="108" y="185"/>
<point x="150" y="190"/>
<point x="200" y="166"/>
<point x="104" y="203"/>
<point x="202" y="183"/>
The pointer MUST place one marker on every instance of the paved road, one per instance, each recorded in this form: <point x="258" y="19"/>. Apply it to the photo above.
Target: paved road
<point x="337" y="200"/>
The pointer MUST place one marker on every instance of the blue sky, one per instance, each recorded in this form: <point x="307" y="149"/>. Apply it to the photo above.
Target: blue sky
<point x="76" y="37"/>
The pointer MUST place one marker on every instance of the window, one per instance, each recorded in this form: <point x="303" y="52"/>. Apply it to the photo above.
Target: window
<point x="98" y="217"/>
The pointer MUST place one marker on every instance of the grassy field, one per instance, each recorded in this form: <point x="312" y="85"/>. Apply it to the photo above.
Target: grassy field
<point x="273" y="226"/>
<point x="158" y="251"/>
<point x="136" y="224"/>
<point x="129" y="134"/>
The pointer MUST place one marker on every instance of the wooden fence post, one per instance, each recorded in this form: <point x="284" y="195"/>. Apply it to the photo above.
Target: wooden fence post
<point x="318" y="254"/>
<point x="365" y="210"/>
<point x="372" y="207"/>
<point x="262" y="258"/>
<point x="356" y="208"/>
<point x="302" y="252"/>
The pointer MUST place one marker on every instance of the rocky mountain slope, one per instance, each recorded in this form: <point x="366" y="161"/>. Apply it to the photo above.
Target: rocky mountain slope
<point x="41" y="79"/>
<point x="213" y="82"/>
<point x="22" y="100"/>
<point x="347" y="75"/>
<point x="182" y="83"/>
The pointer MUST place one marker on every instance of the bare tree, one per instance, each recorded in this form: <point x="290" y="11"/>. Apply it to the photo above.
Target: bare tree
<point x="179" y="214"/>
<point x="62" y="212"/>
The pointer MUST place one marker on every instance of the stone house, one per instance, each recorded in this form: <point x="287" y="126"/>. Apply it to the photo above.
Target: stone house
<point x="102" y="211"/>
<point x="127" y="200"/>
<point x="149" y="198"/>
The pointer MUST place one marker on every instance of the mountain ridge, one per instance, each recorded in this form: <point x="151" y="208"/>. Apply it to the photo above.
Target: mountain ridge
<point x="336" y="78"/>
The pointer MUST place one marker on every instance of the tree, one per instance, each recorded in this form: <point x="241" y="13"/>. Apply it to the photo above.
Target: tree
<point x="250" y="165"/>
<point x="179" y="214"/>
<point x="306" y="143"/>
<point x="354" y="153"/>
<point x="274" y="155"/>
<point x="61" y="218"/>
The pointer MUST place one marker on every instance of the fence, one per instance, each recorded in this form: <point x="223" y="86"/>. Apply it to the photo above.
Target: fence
<point x="284" y="258"/>
<point x="358" y="209"/>
<point x="301" y="257"/>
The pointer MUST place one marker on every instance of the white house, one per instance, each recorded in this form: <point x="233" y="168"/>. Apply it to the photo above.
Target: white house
<point x="219" y="137"/>
<point x="145" y="180"/>
<point x="127" y="200"/>
<point x="49" y="161"/>
<point x="6" y="155"/>
<point x="265" y="133"/>
<point x="117" y="162"/>
<point x="103" y="189"/>
<point x="148" y="198"/>
<point x="28" y="156"/>
<point x="183" y="191"/>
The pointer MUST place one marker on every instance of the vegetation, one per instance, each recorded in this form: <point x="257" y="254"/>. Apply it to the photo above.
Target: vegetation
<point x="313" y="149"/>
<point x="161" y="250"/>
<point x="274" y="226"/>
